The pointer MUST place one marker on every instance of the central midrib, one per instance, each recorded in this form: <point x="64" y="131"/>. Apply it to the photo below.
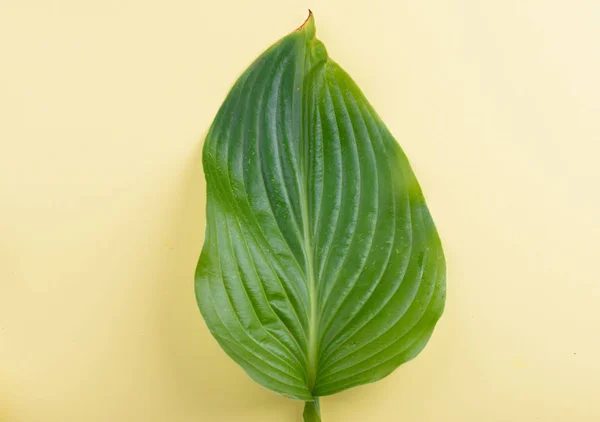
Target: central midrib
<point x="313" y="325"/>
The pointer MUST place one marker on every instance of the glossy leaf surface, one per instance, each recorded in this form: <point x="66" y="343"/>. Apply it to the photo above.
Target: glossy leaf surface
<point x="321" y="268"/>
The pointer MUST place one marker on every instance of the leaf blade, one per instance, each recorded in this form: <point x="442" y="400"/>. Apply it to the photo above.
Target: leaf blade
<point x="322" y="268"/>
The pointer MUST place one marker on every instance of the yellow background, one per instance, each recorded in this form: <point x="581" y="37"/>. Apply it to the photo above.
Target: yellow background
<point x="103" y="107"/>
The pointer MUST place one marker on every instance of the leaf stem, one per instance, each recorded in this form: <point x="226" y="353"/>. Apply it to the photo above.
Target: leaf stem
<point x="312" y="411"/>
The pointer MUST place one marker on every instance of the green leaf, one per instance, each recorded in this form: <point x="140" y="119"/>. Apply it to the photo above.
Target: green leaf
<point x="321" y="268"/>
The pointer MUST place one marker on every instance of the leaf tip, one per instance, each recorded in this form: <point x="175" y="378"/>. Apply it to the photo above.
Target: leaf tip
<point x="309" y="24"/>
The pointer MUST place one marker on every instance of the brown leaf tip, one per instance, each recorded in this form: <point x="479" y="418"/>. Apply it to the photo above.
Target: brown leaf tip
<point x="306" y="21"/>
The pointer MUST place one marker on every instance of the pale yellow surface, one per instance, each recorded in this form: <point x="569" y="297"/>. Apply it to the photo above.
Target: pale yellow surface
<point x="103" y="106"/>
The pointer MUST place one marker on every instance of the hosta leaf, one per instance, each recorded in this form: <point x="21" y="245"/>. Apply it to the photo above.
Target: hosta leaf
<point x="321" y="268"/>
